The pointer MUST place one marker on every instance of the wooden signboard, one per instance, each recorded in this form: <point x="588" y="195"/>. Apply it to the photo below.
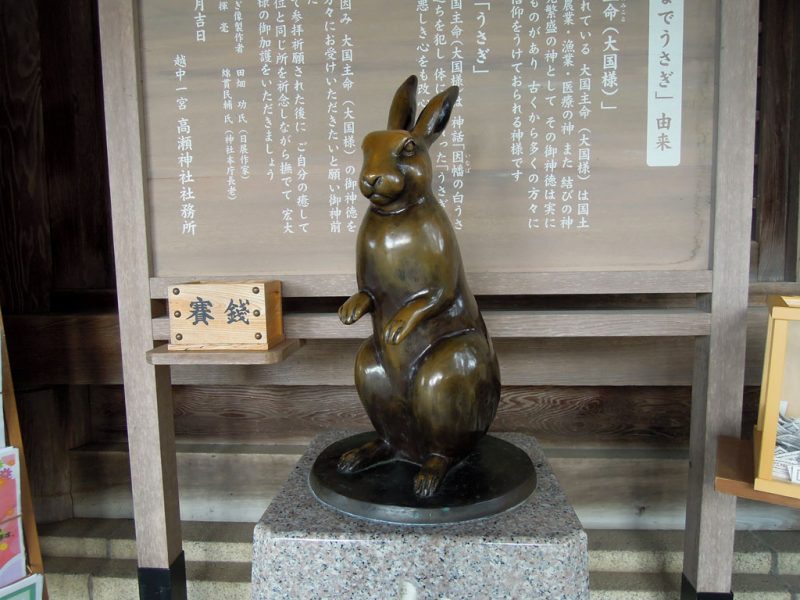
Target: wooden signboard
<point x="582" y="139"/>
<point x="230" y="316"/>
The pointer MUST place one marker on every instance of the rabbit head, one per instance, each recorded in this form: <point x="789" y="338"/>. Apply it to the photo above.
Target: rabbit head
<point x="397" y="168"/>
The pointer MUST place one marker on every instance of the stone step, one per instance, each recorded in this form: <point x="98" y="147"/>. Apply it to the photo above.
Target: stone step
<point x="100" y="554"/>
<point x="115" y="539"/>
<point x="610" y="488"/>
<point x="606" y="585"/>
<point x="115" y="579"/>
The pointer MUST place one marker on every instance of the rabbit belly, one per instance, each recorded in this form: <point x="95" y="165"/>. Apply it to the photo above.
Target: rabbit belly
<point x="381" y="396"/>
<point x="454" y="396"/>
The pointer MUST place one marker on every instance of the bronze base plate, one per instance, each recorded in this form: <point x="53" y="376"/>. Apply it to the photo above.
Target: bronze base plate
<point x="495" y="477"/>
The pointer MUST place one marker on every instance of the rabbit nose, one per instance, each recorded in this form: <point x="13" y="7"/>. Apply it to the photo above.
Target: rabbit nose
<point x="368" y="184"/>
<point x="371" y="180"/>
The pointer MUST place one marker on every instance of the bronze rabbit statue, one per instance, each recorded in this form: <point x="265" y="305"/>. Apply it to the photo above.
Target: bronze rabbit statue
<point x="428" y="376"/>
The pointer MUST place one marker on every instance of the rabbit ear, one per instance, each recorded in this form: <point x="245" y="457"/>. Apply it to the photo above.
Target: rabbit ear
<point x="434" y="117"/>
<point x="404" y="105"/>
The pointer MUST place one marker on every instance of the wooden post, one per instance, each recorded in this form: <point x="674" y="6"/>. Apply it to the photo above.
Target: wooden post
<point x="151" y="435"/>
<point x="719" y="360"/>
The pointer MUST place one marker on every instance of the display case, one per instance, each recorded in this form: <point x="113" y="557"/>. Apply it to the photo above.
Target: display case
<point x="777" y="434"/>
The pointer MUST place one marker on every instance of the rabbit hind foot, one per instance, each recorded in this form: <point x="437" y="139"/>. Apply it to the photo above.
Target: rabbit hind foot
<point x="431" y="475"/>
<point x="366" y="456"/>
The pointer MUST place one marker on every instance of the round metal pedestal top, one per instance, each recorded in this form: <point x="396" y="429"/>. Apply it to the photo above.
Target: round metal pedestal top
<point x="495" y="477"/>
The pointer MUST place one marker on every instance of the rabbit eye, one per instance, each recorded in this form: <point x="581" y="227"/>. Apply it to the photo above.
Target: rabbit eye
<point x="409" y="148"/>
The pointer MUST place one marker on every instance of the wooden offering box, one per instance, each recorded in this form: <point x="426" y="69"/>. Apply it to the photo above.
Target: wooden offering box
<point x="777" y="434"/>
<point x="225" y="316"/>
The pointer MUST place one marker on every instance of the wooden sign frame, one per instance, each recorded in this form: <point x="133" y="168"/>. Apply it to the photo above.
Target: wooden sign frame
<point x="718" y="323"/>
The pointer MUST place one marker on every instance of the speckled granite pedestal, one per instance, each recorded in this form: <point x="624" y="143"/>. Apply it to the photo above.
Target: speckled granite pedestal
<point x="305" y="551"/>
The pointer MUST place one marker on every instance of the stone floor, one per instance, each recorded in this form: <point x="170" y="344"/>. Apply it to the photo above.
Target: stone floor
<point x="95" y="559"/>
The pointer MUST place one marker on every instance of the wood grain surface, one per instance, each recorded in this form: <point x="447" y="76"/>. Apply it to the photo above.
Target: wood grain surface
<point x="25" y="279"/>
<point x="642" y="218"/>
<point x="84" y="349"/>
<point x="76" y="167"/>
<point x="558" y="416"/>
<point x="775" y="209"/>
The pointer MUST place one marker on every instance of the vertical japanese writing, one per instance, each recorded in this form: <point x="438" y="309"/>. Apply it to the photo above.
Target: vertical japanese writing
<point x="332" y="111"/>
<point x="223" y="8"/>
<point x="583" y="167"/>
<point x="552" y="105"/>
<point x="482" y="49"/>
<point x="517" y="134"/>
<point x="298" y="59"/>
<point x="457" y="154"/>
<point x="531" y="90"/>
<point x="235" y="119"/>
<point x="184" y="146"/>
<point x="241" y="123"/>
<point x="441" y="75"/>
<point x="349" y="145"/>
<point x="238" y="28"/>
<point x="200" y="20"/>
<point x="665" y="83"/>
<point x="423" y="50"/>
<point x="285" y="167"/>
<point x="265" y="59"/>
<point x="614" y="13"/>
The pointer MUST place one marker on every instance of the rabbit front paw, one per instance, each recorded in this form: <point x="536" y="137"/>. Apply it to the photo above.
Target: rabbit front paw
<point x="406" y="319"/>
<point x="355" y="307"/>
<point x="397" y="330"/>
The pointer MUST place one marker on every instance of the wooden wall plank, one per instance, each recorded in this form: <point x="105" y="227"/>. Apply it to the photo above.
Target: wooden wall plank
<point x="44" y="421"/>
<point x="565" y="415"/>
<point x="24" y="221"/>
<point x="64" y="349"/>
<point x="775" y="249"/>
<point x="77" y="172"/>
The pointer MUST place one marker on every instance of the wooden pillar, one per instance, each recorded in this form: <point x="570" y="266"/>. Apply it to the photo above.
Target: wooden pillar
<point x="151" y="435"/>
<point x="720" y="357"/>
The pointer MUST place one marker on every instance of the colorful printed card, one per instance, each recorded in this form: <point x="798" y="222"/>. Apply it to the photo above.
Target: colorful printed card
<point x="12" y="552"/>
<point x="10" y="490"/>
<point x="29" y="588"/>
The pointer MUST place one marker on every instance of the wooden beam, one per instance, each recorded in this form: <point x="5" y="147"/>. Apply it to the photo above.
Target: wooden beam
<point x="720" y="357"/>
<point x="149" y="401"/>
<point x="487" y="284"/>
<point x="514" y="324"/>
